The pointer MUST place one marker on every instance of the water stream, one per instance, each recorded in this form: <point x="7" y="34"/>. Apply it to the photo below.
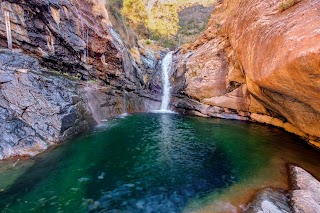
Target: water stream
<point x="166" y="69"/>
<point x="8" y="29"/>
<point x="156" y="163"/>
<point x="124" y="104"/>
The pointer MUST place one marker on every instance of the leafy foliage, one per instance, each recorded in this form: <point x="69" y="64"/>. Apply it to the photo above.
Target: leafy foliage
<point x="159" y="19"/>
<point x="135" y="12"/>
<point x="163" y="20"/>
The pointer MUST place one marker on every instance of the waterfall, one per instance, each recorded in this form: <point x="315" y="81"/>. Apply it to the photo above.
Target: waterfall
<point x="124" y="105"/>
<point x="93" y="103"/>
<point x="8" y="29"/>
<point x="85" y="37"/>
<point x="166" y="68"/>
<point x="87" y="45"/>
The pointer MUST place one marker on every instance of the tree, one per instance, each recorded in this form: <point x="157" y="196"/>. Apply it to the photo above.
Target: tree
<point x="163" y="20"/>
<point x="135" y="12"/>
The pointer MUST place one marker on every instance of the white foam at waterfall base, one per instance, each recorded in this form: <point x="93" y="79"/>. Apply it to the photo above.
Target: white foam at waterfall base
<point x="166" y="68"/>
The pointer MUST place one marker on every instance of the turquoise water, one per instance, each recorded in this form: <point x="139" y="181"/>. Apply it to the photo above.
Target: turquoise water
<point x="154" y="163"/>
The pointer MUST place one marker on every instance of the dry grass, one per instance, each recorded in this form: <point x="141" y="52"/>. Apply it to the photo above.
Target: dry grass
<point x="287" y="4"/>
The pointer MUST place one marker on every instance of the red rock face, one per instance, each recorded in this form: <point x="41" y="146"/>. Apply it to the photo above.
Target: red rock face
<point x="272" y="51"/>
<point x="280" y="53"/>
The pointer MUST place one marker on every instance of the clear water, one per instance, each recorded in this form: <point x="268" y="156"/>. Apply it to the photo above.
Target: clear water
<point x="155" y="163"/>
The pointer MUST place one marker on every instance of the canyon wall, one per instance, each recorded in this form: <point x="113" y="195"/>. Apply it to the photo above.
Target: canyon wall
<point x="258" y="60"/>
<point x="68" y="70"/>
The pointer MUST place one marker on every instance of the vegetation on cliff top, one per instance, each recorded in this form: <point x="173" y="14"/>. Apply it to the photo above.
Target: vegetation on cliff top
<point x="163" y="21"/>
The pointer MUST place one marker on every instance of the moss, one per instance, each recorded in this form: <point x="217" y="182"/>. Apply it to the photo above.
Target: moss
<point x="92" y="81"/>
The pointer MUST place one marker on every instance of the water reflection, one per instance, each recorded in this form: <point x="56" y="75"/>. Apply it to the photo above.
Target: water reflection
<point x="165" y="144"/>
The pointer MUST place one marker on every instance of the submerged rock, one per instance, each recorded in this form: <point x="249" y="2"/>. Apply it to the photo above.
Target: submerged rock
<point x="270" y="201"/>
<point x="304" y="196"/>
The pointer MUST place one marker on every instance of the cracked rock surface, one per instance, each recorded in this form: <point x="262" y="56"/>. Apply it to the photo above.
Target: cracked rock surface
<point x="36" y="108"/>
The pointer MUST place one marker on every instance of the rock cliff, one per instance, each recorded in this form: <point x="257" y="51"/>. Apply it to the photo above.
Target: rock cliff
<point x="68" y="70"/>
<point x="258" y="60"/>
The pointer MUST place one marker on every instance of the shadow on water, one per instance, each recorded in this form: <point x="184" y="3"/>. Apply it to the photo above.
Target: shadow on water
<point x="157" y="163"/>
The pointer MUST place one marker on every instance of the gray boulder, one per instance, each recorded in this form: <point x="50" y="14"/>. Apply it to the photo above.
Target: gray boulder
<point x="305" y="195"/>
<point x="270" y="200"/>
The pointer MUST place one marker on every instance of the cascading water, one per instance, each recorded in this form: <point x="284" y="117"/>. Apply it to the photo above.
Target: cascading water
<point x="124" y="105"/>
<point x="166" y="68"/>
<point x="8" y="29"/>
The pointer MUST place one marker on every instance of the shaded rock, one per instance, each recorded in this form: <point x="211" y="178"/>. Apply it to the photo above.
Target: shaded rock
<point x="37" y="109"/>
<point x="105" y="102"/>
<point x="237" y="99"/>
<point x="305" y="196"/>
<point x="269" y="201"/>
<point x="5" y="77"/>
<point x="40" y="108"/>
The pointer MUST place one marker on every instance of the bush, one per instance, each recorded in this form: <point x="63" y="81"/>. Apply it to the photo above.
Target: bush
<point x="287" y="4"/>
<point x="169" y="43"/>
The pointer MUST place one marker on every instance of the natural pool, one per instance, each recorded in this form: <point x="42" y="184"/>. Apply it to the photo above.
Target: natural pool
<point x="155" y="163"/>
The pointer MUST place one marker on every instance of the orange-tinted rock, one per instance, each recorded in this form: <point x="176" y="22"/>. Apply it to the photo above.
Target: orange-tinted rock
<point x="206" y="71"/>
<point x="280" y="53"/>
<point x="274" y="52"/>
<point x="237" y="99"/>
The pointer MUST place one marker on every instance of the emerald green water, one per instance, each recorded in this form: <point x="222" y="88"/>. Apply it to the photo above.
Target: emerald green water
<point x="155" y="163"/>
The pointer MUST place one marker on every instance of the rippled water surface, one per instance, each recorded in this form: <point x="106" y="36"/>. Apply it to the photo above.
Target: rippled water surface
<point x="155" y="163"/>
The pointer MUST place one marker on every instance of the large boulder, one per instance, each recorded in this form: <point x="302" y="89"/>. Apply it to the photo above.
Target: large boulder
<point x="305" y="195"/>
<point x="257" y="58"/>
<point x="270" y="201"/>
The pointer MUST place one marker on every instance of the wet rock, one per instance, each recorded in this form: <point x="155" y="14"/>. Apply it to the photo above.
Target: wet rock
<point x="305" y="195"/>
<point x="105" y="102"/>
<point x="269" y="201"/>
